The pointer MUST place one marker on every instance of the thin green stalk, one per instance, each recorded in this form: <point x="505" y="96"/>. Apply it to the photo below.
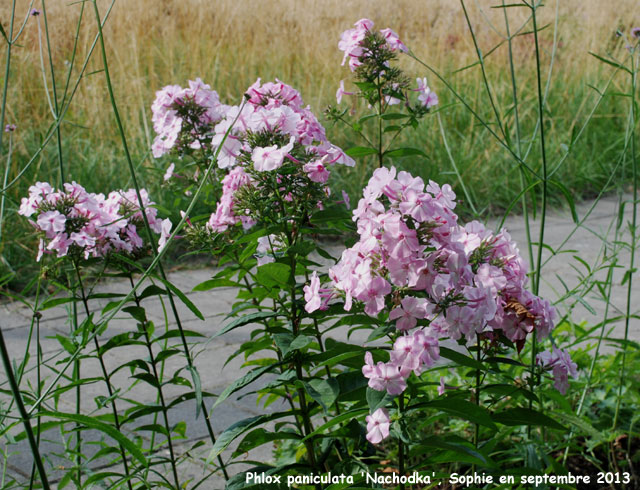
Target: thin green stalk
<point x="401" y="462"/>
<point x="105" y="376"/>
<point x="467" y="195"/>
<point x="634" y="222"/>
<point x="6" y="177"/>
<point x="295" y="327"/>
<point x="476" y="438"/>
<point x="543" y="213"/>
<point x="7" y="67"/>
<point x="76" y="376"/>
<point x="73" y="55"/>
<point x="53" y="89"/>
<point x="266" y="326"/>
<point x="594" y="358"/>
<point x="484" y="72"/>
<point x="36" y="316"/>
<point x="154" y="248"/>
<point x="160" y="394"/>
<point x="379" y="123"/>
<point x="516" y="114"/>
<point x="15" y="391"/>
<point x="43" y="70"/>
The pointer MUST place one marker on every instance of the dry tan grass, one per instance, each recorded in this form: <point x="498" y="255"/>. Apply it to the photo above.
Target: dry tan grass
<point x="229" y="43"/>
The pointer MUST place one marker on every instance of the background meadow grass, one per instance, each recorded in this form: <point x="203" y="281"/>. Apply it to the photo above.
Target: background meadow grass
<point x="230" y="43"/>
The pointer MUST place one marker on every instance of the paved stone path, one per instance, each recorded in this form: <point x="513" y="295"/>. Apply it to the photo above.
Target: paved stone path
<point x="561" y="271"/>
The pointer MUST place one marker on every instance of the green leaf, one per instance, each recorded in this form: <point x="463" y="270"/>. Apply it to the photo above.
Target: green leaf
<point x="461" y="359"/>
<point x="324" y="391"/>
<point x="4" y="34"/>
<point x="229" y="435"/>
<point x="137" y="312"/>
<point x="351" y="414"/>
<point x="300" y="342"/>
<point x="364" y="86"/>
<point x="404" y="152"/>
<point x="187" y="302"/>
<point x="274" y="274"/>
<point x="390" y="116"/>
<point x="97" y="424"/>
<point x="361" y="151"/>
<point x="526" y="416"/>
<point x="463" y="409"/>
<point x="261" y="436"/>
<point x="148" y="378"/>
<point x="610" y="62"/>
<point x="594" y="436"/>
<point x="242" y="382"/>
<point x="151" y="290"/>
<point x="197" y="387"/>
<point x="51" y="302"/>
<point x="567" y="195"/>
<point x="377" y="399"/>
<point x="245" y="320"/>
<point x="172" y="334"/>
<point x="67" y="344"/>
<point x="216" y="283"/>
<point x="366" y="117"/>
<point x="461" y="449"/>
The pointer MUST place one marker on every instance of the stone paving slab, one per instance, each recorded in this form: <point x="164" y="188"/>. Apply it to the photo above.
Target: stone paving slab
<point x="559" y="270"/>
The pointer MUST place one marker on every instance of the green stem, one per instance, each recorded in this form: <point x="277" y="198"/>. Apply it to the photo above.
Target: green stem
<point x="55" y="92"/>
<point x="634" y="218"/>
<point x="6" y="177"/>
<point x="7" y="68"/>
<point x="477" y="433"/>
<point x="154" y="248"/>
<point x="401" y="462"/>
<point x="15" y="390"/>
<point x="36" y="316"/>
<point x="75" y="376"/>
<point x="516" y="115"/>
<point x="543" y="214"/>
<point x="105" y="375"/>
<point x="163" y="405"/>
<point x="380" y="153"/>
<point x="484" y="72"/>
<point x="295" y="327"/>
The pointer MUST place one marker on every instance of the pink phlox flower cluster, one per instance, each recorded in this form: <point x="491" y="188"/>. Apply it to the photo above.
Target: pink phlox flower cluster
<point x="411" y="353"/>
<point x="351" y="42"/>
<point x="225" y="215"/>
<point x="427" y="97"/>
<point x="316" y="298"/>
<point x="417" y="262"/>
<point x="88" y="222"/>
<point x="378" y="424"/>
<point x="169" y="173"/>
<point x="168" y="118"/>
<point x="276" y="110"/>
<point x="559" y="361"/>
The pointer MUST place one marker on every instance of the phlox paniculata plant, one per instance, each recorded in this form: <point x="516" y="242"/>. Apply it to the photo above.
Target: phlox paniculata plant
<point x="272" y="156"/>
<point x="434" y="278"/>
<point x="79" y="224"/>
<point x="371" y="57"/>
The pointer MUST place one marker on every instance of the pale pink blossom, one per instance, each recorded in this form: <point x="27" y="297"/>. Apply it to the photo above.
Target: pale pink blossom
<point x="378" y="424"/>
